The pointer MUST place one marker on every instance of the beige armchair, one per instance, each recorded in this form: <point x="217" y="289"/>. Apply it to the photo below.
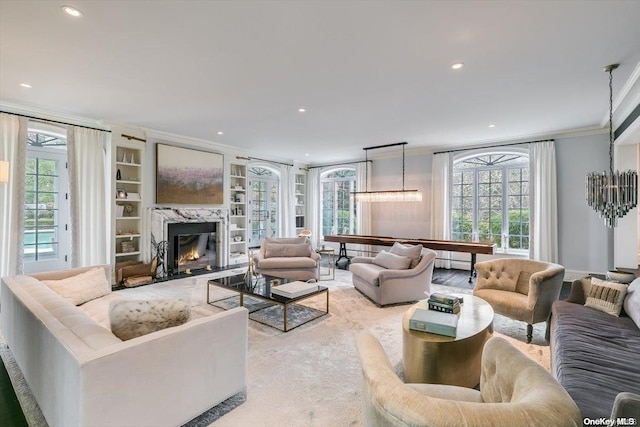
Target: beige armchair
<point x="514" y="392"/>
<point x="287" y="258"/>
<point x="385" y="280"/>
<point x="520" y="289"/>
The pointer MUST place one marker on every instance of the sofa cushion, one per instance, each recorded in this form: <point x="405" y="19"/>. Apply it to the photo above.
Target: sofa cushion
<point x="632" y="301"/>
<point x="606" y="296"/>
<point x="370" y="273"/>
<point x="131" y="319"/>
<point x="82" y="287"/>
<point x="274" y="250"/>
<point x="287" y="262"/>
<point x="412" y="251"/>
<point x="98" y="309"/>
<point x="392" y="261"/>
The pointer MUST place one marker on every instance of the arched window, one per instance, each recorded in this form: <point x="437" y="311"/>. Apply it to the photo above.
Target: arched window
<point x="490" y="200"/>
<point x="338" y="207"/>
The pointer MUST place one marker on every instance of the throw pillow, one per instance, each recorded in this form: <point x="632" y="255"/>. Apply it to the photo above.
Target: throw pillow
<point x="273" y="250"/>
<point x="632" y="301"/>
<point x="82" y="287"/>
<point x="130" y="319"/>
<point x="412" y="251"/>
<point x="392" y="261"/>
<point x="606" y="296"/>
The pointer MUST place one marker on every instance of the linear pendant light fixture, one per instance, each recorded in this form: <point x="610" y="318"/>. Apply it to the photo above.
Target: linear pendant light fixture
<point x="389" y="195"/>
<point x="612" y="194"/>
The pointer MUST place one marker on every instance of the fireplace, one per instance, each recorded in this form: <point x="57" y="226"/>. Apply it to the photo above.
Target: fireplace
<point x="168" y="224"/>
<point x="191" y="246"/>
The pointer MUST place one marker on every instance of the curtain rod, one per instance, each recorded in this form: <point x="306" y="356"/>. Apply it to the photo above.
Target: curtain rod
<point x="52" y="121"/>
<point x="340" y="164"/>
<point x="493" y="146"/>
<point x="263" y="160"/>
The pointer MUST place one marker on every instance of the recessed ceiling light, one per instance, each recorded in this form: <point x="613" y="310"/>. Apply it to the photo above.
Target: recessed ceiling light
<point x="302" y="110"/>
<point x="492" y="125"/>
<point x="220" y="133"/>
<point x="457" y="66"/>
<point x="70" y="10"/>
<point x="306" y="154"/>
<point x="28" y="86"/>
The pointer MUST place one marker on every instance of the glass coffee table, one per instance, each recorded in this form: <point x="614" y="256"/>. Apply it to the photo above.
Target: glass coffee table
<point x="264" y="307"/>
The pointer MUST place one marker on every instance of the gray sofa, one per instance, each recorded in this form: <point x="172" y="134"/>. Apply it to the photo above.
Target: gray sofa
<point x="595" y="356"/>
<point x="390" y="285"/>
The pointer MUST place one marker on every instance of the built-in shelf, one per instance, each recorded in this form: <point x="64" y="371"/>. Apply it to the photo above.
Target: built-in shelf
<point x="127" y="177"/>
<point x="238" y="209"/>
<point x="300" y="202"/>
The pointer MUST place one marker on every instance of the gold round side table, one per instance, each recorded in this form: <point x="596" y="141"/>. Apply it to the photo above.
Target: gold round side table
<point x="438" y="359"/>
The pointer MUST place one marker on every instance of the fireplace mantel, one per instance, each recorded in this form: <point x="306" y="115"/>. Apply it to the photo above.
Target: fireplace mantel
<point x="161" y="217"/>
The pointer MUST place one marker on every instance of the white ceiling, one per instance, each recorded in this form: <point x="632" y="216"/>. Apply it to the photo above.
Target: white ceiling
<point x="368" y="72"/>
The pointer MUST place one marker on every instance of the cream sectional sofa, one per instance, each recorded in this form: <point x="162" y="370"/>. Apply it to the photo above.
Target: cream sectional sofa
<point x="82" y="375"/>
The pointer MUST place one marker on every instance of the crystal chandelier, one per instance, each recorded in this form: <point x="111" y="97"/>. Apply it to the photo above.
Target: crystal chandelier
<point x="612" y="194"/>
<point x="389" y="195"/>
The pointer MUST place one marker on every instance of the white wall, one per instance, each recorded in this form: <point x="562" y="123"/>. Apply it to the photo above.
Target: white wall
<point x="585" y="244"/>
<point x="408" y="219"/>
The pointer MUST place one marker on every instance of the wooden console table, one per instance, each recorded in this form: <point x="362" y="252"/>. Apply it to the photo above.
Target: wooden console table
<point x="473" y="248"/>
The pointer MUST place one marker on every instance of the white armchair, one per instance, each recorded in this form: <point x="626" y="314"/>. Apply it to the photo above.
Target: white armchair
<point x="389" y="279"/>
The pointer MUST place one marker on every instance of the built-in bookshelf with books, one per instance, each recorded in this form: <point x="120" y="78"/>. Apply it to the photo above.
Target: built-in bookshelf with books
<point x="300" y="202"/>
<point x="238" y="219"/>
<point x="127" y="172"/>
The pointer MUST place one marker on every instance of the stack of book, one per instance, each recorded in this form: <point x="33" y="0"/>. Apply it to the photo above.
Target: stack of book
<point x="444" y="303"/>
<point x="434" y="322"/>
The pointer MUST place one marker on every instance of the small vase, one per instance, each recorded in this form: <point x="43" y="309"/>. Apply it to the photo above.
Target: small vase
<point x="118" y="175"/>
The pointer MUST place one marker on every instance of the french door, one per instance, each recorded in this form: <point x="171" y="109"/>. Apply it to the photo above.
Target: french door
<point x="263" y="205"/>
<point x="46" y="232"/>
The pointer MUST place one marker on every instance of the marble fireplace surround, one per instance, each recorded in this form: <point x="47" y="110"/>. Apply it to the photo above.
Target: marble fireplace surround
<point x="162" y="217"/>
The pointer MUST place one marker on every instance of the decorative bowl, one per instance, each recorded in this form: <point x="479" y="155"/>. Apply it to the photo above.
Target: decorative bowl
<point x="620" y="276"/>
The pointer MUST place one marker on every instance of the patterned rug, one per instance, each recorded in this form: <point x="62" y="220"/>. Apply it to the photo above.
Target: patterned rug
<point x="309" y="376"/>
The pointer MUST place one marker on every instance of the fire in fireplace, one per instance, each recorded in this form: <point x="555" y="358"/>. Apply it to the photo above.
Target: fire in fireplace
<point x="192" y="246"/>
<point x="196" y="251"/>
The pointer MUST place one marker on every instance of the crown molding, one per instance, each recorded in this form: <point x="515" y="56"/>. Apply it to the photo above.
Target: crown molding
<point x="626" y="101"/>
<point x="51" y="115"/>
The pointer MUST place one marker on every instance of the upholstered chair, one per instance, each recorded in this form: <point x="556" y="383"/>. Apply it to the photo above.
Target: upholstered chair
<point x="289" y="258"/>
<point x="514" y="392"/>
<point x="399" y="276"/>
<point x="520" y="289"/>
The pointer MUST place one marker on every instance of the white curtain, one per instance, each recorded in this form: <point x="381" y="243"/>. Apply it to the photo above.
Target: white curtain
<point x="313" y="206"/>
<point x="13" y="149"/>
<point x="441" y="167"/>
<point x="543" y="198"/>
<point x="287" y="200"/>
<point x="363" y="210"/>
<point x="87" y="184"/>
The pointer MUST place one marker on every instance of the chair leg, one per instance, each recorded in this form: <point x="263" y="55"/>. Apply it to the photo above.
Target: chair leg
<point x="529" y="333"/>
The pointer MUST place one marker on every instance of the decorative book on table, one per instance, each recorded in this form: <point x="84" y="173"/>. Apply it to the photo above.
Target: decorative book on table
<point x="294" y="289"/>
<point x="434" y="322"/>
<point x="445" y="308"/>
<point x="445" y="298"/>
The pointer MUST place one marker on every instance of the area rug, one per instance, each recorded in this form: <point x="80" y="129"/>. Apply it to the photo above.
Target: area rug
<point x="309" y="376"/>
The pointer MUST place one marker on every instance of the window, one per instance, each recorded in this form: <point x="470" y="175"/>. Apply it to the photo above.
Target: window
<point x="490" y="200"/>
<point x="338" y="207"/>
<point x="46" y="234"/>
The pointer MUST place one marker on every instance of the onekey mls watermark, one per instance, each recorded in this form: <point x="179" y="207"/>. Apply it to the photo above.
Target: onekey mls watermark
<point x="612" y="422"/>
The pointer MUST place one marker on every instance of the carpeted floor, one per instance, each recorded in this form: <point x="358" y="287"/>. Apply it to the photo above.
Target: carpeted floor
<point x="309" y="376"/>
